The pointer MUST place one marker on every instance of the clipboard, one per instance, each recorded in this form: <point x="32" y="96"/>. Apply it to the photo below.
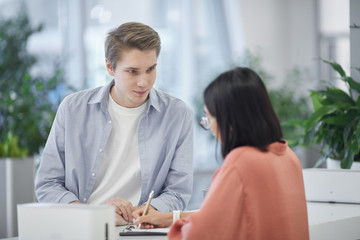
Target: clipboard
<point x="132" y="230"/>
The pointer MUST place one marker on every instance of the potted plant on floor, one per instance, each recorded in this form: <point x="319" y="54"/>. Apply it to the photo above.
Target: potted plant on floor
<point x="335" y="123"/>
<point x="27" y="109"/>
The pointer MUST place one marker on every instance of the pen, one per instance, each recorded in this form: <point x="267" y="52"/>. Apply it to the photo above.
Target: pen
<point x="147" y="205"/>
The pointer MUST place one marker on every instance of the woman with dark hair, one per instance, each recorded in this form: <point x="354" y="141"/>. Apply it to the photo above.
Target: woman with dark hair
<point x="243" y="111"/>
<point x="258" y="192"/>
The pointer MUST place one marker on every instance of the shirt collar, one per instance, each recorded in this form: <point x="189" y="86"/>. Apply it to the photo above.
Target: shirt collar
<point x="102" y="97"/>
<point x="154" y="100"/>
<point x="278" y="148"/>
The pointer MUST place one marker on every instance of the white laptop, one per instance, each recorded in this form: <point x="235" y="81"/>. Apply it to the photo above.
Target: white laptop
<point x="327" y="185"/>
<point x="65" y="222"/>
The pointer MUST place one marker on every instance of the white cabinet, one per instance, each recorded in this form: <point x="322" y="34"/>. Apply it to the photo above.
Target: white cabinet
<point x="17" y="178"/>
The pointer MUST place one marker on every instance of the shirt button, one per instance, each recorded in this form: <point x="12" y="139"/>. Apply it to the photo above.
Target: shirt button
<point x="93" y="174"/>
<point x="110" y="121"/>
<point x="100" y="150"/>
<point x="85" y="199"/>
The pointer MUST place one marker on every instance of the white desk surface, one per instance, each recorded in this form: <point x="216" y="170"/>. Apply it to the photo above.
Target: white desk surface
<point x="333" y="221"/>
<point x="118" y="237"/>
<point x="330" y="221"/>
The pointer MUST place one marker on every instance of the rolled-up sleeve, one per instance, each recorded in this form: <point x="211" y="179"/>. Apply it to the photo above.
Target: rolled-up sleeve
<point x="50" y="180"/>
<point x="176" y="190"/>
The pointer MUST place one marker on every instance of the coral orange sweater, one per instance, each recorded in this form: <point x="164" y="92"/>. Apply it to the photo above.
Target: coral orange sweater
<point x="253" y="195"/>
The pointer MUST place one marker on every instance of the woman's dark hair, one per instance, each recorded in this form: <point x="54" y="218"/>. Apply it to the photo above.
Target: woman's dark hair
<point x="239" y="101"/>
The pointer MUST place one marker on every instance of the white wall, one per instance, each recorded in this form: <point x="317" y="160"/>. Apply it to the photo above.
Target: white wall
<point x="283" y="30"/>
<point x="355" y="39"/>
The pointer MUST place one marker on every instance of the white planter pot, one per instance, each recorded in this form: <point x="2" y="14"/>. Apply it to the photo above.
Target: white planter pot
<point x="335" y="164"/>
<point x="17" y="177"/>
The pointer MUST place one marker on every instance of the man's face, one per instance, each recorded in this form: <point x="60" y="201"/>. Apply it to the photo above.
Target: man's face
<point x="134" y="76"/>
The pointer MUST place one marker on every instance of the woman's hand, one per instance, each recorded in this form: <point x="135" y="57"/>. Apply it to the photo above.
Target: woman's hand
<point x="152" y="219"/>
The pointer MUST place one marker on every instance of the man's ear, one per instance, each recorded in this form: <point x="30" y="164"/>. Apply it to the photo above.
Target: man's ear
<point x="109" y="67"/>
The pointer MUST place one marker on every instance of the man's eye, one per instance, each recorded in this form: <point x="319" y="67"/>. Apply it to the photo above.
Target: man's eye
<point x="151" y="69"/>
<point x="132" y="71"/>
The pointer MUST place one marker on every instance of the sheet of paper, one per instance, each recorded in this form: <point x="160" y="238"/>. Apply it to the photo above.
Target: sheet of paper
<point x="159" y="230"/>
<point x="134" y="231"/>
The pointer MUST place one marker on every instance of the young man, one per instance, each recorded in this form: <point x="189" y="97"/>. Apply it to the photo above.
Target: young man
<point x="116" y="143"/>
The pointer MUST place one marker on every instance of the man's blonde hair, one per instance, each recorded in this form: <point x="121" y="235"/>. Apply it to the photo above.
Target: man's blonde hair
<point x="128" y="36"/>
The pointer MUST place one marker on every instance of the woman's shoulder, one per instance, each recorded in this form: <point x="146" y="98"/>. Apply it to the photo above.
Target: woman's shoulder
<point x="242" y="152"/>
<point x="248" y="152"/>
<point x="246" y="160"/>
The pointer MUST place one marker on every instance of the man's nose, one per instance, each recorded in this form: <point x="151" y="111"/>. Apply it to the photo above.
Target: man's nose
<point x="143" y="80"/>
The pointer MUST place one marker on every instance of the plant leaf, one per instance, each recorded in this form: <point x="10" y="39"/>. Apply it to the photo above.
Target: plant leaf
<point x="319" y="114"/>
<point x="336" y="67"/>
<point x="340" y="119"/>
<point x="320" y="161"/>
<point x="316" y="99"/>
<point x="352" y="84"/>
<point x="348" y="158"/>
<point x="334" y="95"/>
<point x="357" y="133"/>
<point x="355" y="147"/>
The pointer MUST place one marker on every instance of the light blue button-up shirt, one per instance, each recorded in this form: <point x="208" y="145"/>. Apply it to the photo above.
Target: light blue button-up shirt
<point x="78" y="137"/>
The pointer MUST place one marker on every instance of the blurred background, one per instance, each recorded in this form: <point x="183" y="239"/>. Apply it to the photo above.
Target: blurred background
<point x="61" y="44"/>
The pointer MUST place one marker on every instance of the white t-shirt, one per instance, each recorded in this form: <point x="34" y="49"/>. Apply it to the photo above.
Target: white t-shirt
<point x="119" y="172"/>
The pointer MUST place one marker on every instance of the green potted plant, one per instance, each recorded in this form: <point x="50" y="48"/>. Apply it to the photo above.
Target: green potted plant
<point x="10" y="147"/>
<point x="27" y="110"/>
<point x="335" y="123"/>
<point x="27" y="103"/>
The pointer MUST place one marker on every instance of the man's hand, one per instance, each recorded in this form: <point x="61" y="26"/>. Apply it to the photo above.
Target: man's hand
<point x="123" y="208"/>
<point x="119" y="220"/>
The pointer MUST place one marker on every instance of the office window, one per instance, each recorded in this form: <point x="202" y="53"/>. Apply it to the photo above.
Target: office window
<point x="334" y="37"/>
